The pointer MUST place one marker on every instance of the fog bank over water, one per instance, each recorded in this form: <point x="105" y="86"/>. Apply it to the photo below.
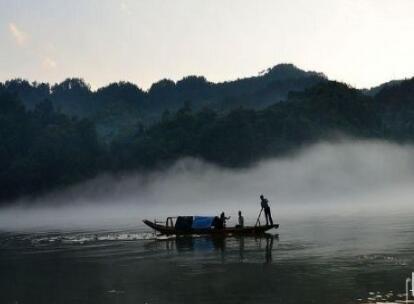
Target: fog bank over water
<point x="343" y="178"/>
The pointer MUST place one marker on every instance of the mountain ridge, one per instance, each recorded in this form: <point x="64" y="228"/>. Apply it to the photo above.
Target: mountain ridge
<point x="106" y="106"/>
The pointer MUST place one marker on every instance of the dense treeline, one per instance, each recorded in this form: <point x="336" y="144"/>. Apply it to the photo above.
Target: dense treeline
<point x="119" y="107"/>
<point x="44" y="148"/>
<point x="246" y="135"/>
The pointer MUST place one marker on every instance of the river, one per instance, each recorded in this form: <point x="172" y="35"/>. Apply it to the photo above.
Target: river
<point x="314" y="259"/>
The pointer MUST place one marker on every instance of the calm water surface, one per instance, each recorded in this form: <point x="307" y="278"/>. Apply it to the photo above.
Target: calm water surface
<point x="312" y="260"/>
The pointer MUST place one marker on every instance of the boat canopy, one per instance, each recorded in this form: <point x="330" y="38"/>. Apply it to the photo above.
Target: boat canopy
<point x="202" y="222"/>
<point x="185" y="223"/>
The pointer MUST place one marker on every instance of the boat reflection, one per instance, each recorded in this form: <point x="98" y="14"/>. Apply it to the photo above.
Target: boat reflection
<point x="240" y="248"/>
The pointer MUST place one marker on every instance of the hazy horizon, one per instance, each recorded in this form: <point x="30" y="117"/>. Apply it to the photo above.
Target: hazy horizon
<point x="361" y="43"/>
<point x="259" y="73"/>
<point x="94" y="88"/>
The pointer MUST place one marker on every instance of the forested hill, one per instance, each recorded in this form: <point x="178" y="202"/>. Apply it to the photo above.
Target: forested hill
<point x="43" y="148"/>
<point x="119" y="107"/>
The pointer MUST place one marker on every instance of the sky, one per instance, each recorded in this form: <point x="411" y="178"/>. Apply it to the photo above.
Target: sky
<point x="360" y="42"/>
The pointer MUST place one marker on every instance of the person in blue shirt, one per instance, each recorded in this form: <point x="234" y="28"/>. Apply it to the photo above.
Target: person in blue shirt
<point x="265" y="206"/>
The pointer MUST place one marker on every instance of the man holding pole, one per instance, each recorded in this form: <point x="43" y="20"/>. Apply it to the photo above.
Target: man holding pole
<point x="265" y="206"/>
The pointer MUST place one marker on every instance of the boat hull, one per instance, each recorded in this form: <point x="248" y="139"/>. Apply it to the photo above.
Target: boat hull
<point x="249" y="230"/>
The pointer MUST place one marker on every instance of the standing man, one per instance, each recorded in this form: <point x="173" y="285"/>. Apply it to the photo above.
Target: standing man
<point x="223" y="219"/>
<point x="265" y="206"/>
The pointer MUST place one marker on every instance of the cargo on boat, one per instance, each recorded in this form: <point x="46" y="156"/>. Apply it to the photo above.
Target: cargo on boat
<point x="187" y="225"/>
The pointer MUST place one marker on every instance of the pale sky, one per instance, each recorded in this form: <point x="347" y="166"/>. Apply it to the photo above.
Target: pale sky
<point x="361" y="42"/>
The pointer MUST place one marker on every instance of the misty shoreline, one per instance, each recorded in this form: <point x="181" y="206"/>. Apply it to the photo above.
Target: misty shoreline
<point x="340" y="178"/>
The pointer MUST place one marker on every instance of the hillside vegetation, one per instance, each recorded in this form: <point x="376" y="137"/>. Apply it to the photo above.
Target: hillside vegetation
<point x="54" y="136"/>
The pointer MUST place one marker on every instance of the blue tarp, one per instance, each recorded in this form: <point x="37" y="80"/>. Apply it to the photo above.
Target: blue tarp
<point x="202" y="222"/>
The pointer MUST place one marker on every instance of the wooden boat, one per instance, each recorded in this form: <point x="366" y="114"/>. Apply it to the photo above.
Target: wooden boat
<point x="170" y="229"/>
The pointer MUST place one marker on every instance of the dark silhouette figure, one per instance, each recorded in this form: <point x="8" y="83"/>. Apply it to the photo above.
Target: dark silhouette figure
<point x="217" y="223"/>
<point x="265" y="206"/>
<point x="223" y="220"/>
<point x="241" y="220"/>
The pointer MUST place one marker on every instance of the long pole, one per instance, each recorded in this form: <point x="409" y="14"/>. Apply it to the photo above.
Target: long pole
<point x="258" y="218"/>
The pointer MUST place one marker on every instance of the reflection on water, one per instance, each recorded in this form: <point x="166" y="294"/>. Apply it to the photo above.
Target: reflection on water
<point x="227" y="248"/>
<point x="314" y="260"/>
